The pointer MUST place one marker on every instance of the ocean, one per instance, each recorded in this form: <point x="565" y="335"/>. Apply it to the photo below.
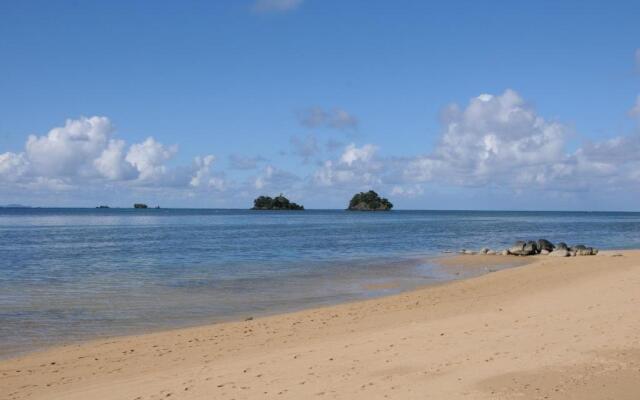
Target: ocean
<point x="76" y="274"/>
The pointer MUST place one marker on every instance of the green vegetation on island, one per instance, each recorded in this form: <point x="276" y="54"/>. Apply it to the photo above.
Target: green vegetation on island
<point x="369" y="201"/>
<point x="277" y="203"/>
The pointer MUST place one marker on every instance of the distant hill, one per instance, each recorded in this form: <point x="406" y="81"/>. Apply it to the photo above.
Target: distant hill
<point x="15" y="206"/>
<point x="369" y="201"/>
<point x="277" y="203"/>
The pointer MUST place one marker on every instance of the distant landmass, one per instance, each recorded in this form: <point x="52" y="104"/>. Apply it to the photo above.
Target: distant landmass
<point x="369" y="201"/>
<point x="15" y="206"/>
<point x="140" y="205"/>
<point x="277" y="203"/>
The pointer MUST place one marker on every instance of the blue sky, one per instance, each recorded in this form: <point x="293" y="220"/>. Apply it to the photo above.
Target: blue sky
<point x="526" y="105"/>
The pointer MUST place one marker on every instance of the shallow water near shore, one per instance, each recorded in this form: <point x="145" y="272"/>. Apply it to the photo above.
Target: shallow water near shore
<point x="73" y="274"/>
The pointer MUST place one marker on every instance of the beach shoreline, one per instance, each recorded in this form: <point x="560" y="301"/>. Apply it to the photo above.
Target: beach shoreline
<point x="371" y="348"/>
<point x="457" y="267"/>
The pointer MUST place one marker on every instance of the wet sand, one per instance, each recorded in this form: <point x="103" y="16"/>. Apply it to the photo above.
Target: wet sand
<point x="556" y="328"/>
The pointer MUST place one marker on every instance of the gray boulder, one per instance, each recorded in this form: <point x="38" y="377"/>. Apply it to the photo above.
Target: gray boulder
<point x="531" y="248"/>
<point x="545" y="252"/>
<point x="562" y="245"/>
<point x="585" y="251"/>
<point x="491" y="253"/>
<point x="484" y="250"/>
<point x="521" y="248"/>
<point x="504" y="252"/>
<point x="544" y="244"/>
<point x="560" y="253"/>
<point x="517" y="249"/>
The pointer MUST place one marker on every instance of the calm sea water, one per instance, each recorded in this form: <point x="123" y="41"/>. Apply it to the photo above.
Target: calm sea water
<point x="68" y="274"/>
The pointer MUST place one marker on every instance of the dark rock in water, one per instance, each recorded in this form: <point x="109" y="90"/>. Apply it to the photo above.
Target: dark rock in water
<point x="531" y="248"/>
<point x="369" y="201"/>
<point x="562" y="246"/>
<point x="544" y="244"/>
<point x="140" y="205"/>
<point x="277" y="203"/>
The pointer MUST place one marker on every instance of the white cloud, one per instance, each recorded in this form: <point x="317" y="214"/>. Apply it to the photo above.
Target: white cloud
<point x="69" y="150"/>
<point x="263" y="6"/>
<point x="112" y="164"/>
<point x="149" y="157"/>
<point x="84" y="151"/>
<point x="336" y="118"/>
<point x="495" y="139"/>
<point x="12" y="166"/>
<point x="353" y="154"/>
<point x="203" y="176"/>
<point x="355" y="166"/>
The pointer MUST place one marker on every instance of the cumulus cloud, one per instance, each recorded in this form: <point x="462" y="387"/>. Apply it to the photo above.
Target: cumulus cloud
<point x="355" y="166"/>
<point x="336" y="118"/>
<point x="12" y="166"/>
<point x="204" y="177"/>
<point x="149" y="158"/>
<point x="112" y="163"/>
<point x="353" y="154"/>
<point x="266" y="6"/>
<point x="494" y="139"/>
<point x="85" y="151"/>
<point x="501" y="141"/>
<point x="71" y="149"/>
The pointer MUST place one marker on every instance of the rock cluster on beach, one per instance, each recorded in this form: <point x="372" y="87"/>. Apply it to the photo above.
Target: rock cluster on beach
<point x="541" y="246"/>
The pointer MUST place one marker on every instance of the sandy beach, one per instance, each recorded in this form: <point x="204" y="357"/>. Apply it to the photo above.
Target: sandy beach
<point x="557" y="328"/>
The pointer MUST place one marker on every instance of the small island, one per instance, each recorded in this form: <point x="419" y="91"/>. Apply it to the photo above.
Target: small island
<point x="140" y="205"/>
<point x="277" y="203"/>
<point x="369" y="201"/>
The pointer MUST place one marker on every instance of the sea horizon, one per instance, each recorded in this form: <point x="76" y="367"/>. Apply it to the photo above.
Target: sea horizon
<point x="395" y="209"/>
